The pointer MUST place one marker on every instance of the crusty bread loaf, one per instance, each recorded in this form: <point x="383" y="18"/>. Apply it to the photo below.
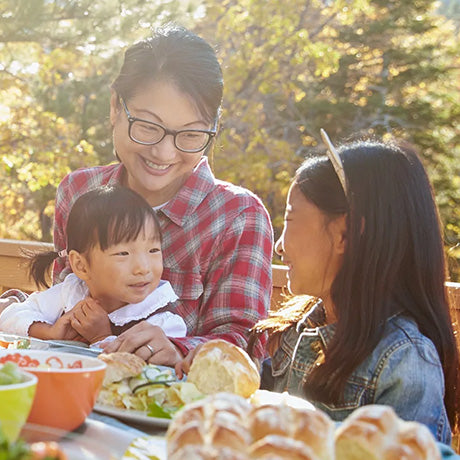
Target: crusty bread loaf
<point x="314" y="428"/>
<point x="121" y="365"/>
<point x="375" y="432"/>
<point x="228" y="421"/>
<point x="226" y="426"/>
<point x="216" y="421"/>
<point x="220" y="366"/>
<point x="281" y="448"/>
<point x="196" y="452"/>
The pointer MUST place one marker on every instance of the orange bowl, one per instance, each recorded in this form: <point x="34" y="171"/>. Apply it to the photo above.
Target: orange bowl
<point x="67" y="388"/>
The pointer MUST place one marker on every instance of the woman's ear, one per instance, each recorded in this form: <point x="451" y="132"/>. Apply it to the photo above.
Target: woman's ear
<point x="79" y="265"/>
<point x="115" y="106"/>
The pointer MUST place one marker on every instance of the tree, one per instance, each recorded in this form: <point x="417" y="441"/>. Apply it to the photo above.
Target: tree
<point x="58" y="59"/>
<point x="381" y="67"/>
<point x="384" y="68"/>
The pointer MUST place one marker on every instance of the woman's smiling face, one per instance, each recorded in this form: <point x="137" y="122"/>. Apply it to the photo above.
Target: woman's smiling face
<point x="156" y="172"/>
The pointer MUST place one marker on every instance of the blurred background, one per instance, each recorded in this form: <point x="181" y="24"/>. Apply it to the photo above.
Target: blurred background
<point x="354" y="67"/>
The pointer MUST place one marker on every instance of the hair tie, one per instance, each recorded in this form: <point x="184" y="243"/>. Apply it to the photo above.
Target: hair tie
<point x="62" y="253"/>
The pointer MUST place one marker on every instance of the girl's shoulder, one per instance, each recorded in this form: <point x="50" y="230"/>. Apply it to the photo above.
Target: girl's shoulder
<point x="402" y="338"/>
<point x="402" y="328"/>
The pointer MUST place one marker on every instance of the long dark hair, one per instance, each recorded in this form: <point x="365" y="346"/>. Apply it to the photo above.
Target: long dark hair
<point x="394" y="259"/>
<point x="179" y="56"/>
<point x="104" y="216"/>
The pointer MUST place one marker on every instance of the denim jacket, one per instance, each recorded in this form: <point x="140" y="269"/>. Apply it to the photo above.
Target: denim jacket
<point x="404" y="371"/>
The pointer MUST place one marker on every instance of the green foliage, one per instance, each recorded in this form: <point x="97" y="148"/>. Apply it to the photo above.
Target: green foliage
<point x="368" y="68"/>
<point x="58" y="60"/>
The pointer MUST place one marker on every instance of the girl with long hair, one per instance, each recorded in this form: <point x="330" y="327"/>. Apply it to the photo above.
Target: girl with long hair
<point x="370" y="323"/>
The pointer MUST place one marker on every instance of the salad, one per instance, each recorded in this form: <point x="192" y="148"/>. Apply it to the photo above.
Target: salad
<point x="155" y="391"/>
<point x="10" y="374"/>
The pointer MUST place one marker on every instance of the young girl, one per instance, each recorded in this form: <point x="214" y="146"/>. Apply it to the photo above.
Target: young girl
<point x="363" y="240"/>
<point x="114" y="249"/>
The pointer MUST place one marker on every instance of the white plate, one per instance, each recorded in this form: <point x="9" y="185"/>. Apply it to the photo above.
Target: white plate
<point x="132" y="416"/>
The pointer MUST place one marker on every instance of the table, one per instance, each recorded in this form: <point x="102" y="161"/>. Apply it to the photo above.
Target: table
<point x="131" y="432"/>
<point x="102" y="437"/>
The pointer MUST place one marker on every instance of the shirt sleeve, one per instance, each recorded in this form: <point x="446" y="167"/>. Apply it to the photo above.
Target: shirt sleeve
<point x="237" y="286"/>
<point x="61" y="212"/>
<point x="173" y="325"/>
<point x="412" y="382"/>
<point x="42" y="307"/>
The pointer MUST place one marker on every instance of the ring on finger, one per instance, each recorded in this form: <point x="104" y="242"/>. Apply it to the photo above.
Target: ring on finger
<point x="151" y="349"/>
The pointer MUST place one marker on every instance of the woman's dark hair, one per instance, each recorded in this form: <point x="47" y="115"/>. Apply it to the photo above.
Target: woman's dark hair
<point x="176" y="55"/>
<point x="102" y="217"/>
<point x="394" y="259"/>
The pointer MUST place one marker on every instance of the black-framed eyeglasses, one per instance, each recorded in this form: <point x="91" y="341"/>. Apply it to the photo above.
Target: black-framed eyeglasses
<point x="149" y="133"/>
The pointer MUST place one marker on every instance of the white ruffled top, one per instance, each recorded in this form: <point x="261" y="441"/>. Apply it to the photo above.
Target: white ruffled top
<point x="47" y="306"/>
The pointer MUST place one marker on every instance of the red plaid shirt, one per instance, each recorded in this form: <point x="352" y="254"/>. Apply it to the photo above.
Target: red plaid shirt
<point x="217" y="249"/>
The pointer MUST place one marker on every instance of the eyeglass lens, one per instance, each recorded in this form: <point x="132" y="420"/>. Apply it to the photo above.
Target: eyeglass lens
<point x="151" y="133"/>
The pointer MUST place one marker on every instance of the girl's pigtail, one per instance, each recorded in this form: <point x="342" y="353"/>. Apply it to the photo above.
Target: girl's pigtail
<point x="39" y="266"/>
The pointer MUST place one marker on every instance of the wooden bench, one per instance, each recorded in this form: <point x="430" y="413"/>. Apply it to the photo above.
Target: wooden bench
<point x="13" y="263"/>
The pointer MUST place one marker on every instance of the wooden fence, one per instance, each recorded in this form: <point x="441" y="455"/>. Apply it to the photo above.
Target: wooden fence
<point x="13" y="273"/>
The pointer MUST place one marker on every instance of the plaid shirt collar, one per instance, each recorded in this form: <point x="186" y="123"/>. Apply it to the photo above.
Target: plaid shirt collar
<point x="195" y="189"/>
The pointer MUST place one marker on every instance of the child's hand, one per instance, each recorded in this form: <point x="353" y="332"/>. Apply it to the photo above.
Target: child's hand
<point x="62" y="329"/>
<point x="183" y="367"/>
<point x="90" y="320"/>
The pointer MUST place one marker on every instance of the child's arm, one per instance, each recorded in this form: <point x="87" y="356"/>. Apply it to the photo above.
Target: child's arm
<point x="40" y="308"/>
<point x="61" y="330"/>
<point x="90" y="320"/>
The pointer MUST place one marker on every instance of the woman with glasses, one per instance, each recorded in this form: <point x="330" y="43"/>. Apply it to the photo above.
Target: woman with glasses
<point x="217" y="237"/>
<point x="369" y="322"/>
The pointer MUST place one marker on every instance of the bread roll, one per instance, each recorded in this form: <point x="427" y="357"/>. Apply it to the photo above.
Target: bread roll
<point x="121" y="365"/>
<point x="280" y="448"/>
<point x="375" y="432"/>
<point x="314" y="428"/>
<point x="414" y="442"/>
<point x="220" y="366"/>
<point x="205" y="409"/>
<point x="196" y="452"/>
<point x="217" y="421"/>
<point x="226" y="426"/>
<point x="269" y="432"/>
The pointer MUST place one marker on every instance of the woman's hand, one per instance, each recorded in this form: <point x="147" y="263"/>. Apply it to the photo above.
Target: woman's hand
<point x="183" y="366"/>
<point x="90" y="320"/>
<point x="147" y="341"/>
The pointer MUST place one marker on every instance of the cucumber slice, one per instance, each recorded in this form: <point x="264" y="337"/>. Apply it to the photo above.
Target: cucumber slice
<point x="157" y="374"/>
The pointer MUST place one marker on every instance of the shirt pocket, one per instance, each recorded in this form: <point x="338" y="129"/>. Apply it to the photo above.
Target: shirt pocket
<point x="280" y="363"/>
<point x="356" y="394"/>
